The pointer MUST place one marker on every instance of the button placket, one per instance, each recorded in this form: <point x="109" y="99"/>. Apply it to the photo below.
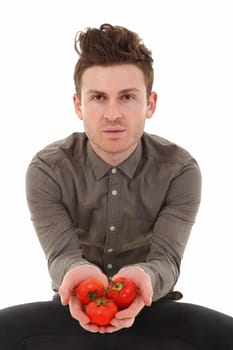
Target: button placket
<point x="112" y="218"/>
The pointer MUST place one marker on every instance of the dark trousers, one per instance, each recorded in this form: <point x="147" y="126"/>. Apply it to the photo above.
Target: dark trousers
<point x="166" y="325"/>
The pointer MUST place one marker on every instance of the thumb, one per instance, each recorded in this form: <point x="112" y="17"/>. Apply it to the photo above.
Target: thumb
<point x="66" y="289"/>
<point x="146" y="291"/>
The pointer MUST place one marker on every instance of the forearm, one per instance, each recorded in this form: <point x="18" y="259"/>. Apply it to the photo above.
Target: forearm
<point x="52" y="223"/>
<point x="172" y="230"/>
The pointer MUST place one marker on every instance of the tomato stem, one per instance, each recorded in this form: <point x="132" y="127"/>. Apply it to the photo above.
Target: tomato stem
<point x="101" y="301"/>
<point x="116" y="286"/>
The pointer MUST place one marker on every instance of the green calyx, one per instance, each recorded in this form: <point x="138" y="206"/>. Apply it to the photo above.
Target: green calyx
<point x="116" y="286"/>
<point x="101" y="301"/>
<point x="93" y="295"/>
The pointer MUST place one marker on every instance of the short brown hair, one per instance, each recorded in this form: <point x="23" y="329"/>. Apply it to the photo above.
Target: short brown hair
<point x="110" y="45"/>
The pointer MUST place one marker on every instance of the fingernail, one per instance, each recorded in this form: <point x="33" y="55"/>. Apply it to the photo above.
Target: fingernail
<point x="83" y="322"/>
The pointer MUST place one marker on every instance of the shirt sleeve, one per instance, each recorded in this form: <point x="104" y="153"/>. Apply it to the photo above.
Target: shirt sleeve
<point x="52" y="222"/>
<point x="172" y="229"/>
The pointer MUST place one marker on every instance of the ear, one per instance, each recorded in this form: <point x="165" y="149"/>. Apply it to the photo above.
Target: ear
<point x="77" y="106"/>
<point x="151" y="105"/>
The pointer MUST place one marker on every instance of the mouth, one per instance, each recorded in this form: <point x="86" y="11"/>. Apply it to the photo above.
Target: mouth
<point x="114" y="132"/>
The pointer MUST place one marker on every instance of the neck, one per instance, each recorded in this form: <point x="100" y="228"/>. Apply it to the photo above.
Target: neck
<point x="113" y="158"/>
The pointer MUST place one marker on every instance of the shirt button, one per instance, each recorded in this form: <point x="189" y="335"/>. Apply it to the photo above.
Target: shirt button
<point x="112" y="228"/>
<point x="109" y="266"/>
<point x="110" y="250"/>
<point x="114" y="192"/>
<point x="114" y="170"/>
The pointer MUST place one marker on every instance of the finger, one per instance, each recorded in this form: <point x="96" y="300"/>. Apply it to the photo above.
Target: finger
<point x="145" y="289"/>
<point x="146" y="292"/>
<point x="132" y="311"/>
<point x="119" y="324"/>
<point x="89" y="327"/>
<point x="65" y="294"/>
<point x="101" y="329"/>
<point x="111" y="329"/>
<point x="77" y="312"/>
<point x="66" y="289"/>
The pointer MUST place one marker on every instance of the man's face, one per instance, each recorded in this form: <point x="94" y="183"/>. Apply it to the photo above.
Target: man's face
<point x="114" y="107"/>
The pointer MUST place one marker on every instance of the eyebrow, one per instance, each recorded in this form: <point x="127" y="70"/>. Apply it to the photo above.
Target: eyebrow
<point x="124" y="91"/>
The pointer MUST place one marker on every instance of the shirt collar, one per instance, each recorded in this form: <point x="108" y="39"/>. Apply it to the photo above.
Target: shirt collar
<point x="100" y="167"/>
<point x="129" y="166"/>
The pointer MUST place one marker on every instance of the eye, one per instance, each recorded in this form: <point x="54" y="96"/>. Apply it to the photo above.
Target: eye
<point x="127" y="97"/>
<point x="98" y="98"/>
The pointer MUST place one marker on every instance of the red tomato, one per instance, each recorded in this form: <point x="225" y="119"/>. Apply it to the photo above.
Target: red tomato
<point x="89" y="289"/>
<point x="101" y="311"/>
<point x="122" y="291"/>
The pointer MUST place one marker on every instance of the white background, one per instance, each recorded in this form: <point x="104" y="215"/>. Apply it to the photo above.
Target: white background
<point x="192" y="46"/>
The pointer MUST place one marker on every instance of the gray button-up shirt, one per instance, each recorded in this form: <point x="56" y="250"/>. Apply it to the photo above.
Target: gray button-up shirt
<point x="140" y="212"/>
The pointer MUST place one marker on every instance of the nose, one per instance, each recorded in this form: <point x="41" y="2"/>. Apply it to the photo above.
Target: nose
<point x="112" y="111"/>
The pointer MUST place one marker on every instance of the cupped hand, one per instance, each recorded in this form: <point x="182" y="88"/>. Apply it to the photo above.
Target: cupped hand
<point x="141" y="279"/>
<point x="125" y="318"/>
<point x="68" y="294"/>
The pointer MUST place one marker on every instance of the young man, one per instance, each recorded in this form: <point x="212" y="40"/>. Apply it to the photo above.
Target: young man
<point x="114" y="201"/>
